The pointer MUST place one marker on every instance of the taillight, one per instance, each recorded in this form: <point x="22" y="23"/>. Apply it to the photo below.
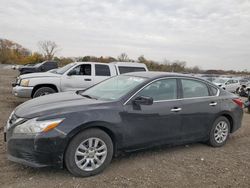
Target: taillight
<point x="238" y="102"/>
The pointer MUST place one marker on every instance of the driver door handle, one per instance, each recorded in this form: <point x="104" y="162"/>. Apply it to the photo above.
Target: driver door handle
<point x="213" y="104"/>
<point x="87" y="79"/>
<point x="176" y="109"/>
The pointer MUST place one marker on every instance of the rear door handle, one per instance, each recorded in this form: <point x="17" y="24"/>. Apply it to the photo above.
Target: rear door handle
<point x="213" y="104"/>
<point x="176" y="109"/>
<point x="87" y="79"/>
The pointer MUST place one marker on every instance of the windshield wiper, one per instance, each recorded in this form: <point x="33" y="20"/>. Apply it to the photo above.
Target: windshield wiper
<point x="88" y="96"/>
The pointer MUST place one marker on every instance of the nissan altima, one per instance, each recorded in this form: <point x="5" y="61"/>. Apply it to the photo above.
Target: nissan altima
<point x="83" y="130"/>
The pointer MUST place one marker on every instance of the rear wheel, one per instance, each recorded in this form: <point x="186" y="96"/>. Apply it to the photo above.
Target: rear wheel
<point x="237" y="90"/>
<point x="89" y="153"/>
<point x="43" y="91"/>
<point x="219" y="132"/>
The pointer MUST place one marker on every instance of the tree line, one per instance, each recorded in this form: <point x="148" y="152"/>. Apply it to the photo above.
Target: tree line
<point x="14" y="53"/>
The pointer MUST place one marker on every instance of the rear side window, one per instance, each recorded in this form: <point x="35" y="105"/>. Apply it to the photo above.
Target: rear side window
<point x="102" y="70"/>
<point x="193" y="88"/>
<point x="161" y="90"/>
<point x="123" y="69"/>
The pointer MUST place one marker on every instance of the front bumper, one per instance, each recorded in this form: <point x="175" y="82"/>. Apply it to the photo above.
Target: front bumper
<point x="36" y="151"/>
<point x="20" y="91"/>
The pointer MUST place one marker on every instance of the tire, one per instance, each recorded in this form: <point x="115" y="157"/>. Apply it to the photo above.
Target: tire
<point x="216" y="138"/>
<point x="86" y="159"/>
<point x="237" y="90"/>
<point x="43" y="91"/>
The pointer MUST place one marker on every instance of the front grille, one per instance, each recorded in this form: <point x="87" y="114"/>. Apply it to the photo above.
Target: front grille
<point x="16" y="82"/>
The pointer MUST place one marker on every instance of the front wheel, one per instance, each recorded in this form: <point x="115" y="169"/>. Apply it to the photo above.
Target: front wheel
<point x="43" y="91"/>
<point x="89" y="153"/>
<point x="219" y="132"/>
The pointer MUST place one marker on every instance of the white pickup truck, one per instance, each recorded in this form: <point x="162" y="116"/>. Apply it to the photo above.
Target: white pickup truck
<point x="74" y="76"/>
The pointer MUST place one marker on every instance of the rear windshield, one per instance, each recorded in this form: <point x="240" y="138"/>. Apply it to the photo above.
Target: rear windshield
<point x="123" y="69"/>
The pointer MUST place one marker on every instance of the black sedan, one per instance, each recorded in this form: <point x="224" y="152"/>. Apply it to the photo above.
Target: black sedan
<point x="83" y="130"/>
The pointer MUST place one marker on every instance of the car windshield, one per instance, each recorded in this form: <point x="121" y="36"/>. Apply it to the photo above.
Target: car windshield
<point x="62" y="70"/>
<point x="37" y="65"/>
<point x="113" y="88"/>
<point x="220" y="80"/>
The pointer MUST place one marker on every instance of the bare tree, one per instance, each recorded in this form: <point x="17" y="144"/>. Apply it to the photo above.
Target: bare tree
<point x="48" y="49"/>
<point x="123" y="57"/>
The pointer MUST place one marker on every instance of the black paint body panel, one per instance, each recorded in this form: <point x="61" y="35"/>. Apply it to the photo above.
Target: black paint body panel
<point x="129" y="127"/>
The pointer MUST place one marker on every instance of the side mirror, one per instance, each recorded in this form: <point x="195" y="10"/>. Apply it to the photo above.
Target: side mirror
<point x="143" y="100"/>
<point x="72" y="72"/>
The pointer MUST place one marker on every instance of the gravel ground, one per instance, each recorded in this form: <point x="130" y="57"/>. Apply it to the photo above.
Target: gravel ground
<point x="196" y="165"/>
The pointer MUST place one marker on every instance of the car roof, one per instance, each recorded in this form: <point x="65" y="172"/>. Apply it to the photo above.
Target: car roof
<point x="155" y="74"/>
<point x="132" y="64"/>
<point x="115" y="63"/>
<point x="88" y="62"/>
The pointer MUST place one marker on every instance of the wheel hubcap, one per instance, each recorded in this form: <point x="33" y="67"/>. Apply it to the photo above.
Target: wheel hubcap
<point x="221" y="132"/>
<point x="44" y="93"/>
<point x="90" y="154"/>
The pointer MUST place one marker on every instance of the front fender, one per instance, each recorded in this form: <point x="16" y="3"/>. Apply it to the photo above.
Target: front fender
<point x="47" y="80"/>
<point x="107" y="120"/>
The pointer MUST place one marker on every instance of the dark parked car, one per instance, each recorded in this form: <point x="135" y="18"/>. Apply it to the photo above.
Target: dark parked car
<point x="39" y="67"/>
<point x="85" y="129"/>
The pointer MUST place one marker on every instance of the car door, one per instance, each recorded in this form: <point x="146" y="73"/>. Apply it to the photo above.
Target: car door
<point x="200" y="106"/>
<point x="156" y="123"/>
<point x="79" y="77"/>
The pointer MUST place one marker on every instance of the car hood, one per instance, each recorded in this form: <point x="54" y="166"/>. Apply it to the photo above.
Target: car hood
<point x="38" y="75"/>
<point x="26" y="67"/>
<point x="58" y="103"/>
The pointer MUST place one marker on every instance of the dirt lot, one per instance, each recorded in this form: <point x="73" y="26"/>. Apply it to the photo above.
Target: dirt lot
<point x="196" y="165"/>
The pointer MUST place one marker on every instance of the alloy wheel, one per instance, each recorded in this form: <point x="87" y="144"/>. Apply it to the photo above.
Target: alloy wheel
<point x="90" y="154"/>
<point x="221" y="132"/>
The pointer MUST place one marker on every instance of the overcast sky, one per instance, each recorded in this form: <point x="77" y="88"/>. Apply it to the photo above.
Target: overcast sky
<point x="207" y="33"/>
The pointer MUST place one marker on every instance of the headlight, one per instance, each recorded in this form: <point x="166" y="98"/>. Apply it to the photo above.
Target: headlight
<point x="13" y="119"/>
<point x="24" y="82"/>
<point x="33" y="126"/>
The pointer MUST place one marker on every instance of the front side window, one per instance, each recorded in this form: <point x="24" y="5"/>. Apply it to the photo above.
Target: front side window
<point x="102" y="70"/>
<point x="220" y="80"/>
<point x="236" y="81"/>
<point x="193" y="88"/>
<point x="81" y="70"/>
<point x="229" y="82"/>
<point x="160" y="90"/>
<point x="123" y="69"/>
